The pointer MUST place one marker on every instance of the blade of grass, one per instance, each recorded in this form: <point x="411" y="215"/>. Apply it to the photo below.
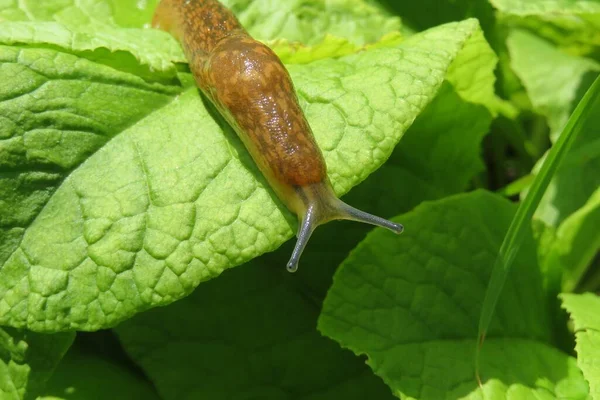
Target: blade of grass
<point x="514" y="237"/>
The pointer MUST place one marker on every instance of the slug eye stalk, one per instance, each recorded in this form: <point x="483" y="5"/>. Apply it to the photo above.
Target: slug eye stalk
<point x="321" y="206"/>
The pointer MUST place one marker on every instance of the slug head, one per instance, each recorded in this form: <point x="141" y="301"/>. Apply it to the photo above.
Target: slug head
<point x="322" y="205"/>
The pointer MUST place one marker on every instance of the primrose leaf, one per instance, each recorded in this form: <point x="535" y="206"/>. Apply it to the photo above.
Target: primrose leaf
<point x="55" y="111"/>
<point x="437" y="156"/>
<point x="175" y="199"/>
<point x="83" y="374"/>
<point x="411" y="304"/>
<point x="27" y="360"/>
<point x="584" y="312"/>
<point x="554" y="85"/>
<point x="263" y="301"/>
<point x="257" y="340"/>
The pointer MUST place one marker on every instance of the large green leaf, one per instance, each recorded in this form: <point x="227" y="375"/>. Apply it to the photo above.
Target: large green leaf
<point x="86" y="375"/>
<point x="411" y="304"/>
<point x="248" y="335"/>
<point x="27" y="360"/>
<point x="55" y="111"/>
<point x="161" y="208"/>
<point x="260" y="303"/>
<point x="584" y="310"/>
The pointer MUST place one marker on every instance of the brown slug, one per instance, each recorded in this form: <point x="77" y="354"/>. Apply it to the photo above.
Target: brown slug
<point x="251" y="88"/>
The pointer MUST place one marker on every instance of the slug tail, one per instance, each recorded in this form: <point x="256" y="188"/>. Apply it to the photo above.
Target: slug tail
<point x="321" y="205"/>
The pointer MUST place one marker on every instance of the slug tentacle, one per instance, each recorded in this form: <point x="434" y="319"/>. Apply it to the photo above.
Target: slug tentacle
<point x="321" y="205"/>
<point x="252" y="89"/>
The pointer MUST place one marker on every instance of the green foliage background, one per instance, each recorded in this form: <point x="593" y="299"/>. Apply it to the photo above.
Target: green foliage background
<point x="126" y="202"/>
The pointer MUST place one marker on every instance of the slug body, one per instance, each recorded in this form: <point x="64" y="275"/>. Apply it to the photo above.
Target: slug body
<point x="251" y="88"/>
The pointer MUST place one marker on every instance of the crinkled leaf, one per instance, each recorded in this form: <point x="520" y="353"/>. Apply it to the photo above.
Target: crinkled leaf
<point x="584" y="310"/>
<point x="411" y="304"/>
<point x="298" y="53"/>
<point x="298" y="20"/>
<point x="97" y="29"/>
<point x="27" y="360"/>
<point x="55" y="111"/>
<point x="84" y="375"/>
<point x="554" y="85"/>
<point x="161" y="207"/>
<point x="437" y="156"/>
<point x="309" y="21"/>
<point x="263" y="301"/>
<point x="146" y="52"/>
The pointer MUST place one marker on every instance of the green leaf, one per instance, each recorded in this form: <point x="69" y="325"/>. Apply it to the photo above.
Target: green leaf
<point x="241" y="295"/>
<point x="256" y="340"/>
<point x="438" y="156"/>
<point x="161" y="207"/>
<point x="411" y="305"/>
<point x="147" y="52"/>
<point x="85" y="375"/>
<point x="309" y="21"/>
<point x="576" y="243"/>
<point x="424" y="14"/>
<point x="27" y="360"/>
<point x="514" y="237"/>
<point x="297" y="20"/>
<point x="95" y="29"/>
<point x="578" y="176"/>
<point x="55" y="111"/>
<point x="553" y="85"/>
<point x="584" y="312"/>
<point x="573" y="24"/>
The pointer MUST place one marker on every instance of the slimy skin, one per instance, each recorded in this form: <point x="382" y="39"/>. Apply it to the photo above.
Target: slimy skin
<point x="253" y="91"/>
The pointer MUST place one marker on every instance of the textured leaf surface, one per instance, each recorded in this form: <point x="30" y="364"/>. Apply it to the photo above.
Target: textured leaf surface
<point x="279" y="311"/>
<point x="303" y="21"/>
<point x="411" y="304"/>
<point x="161" y="208"/>
<point x="55" y="111"/>
<point x="147" y="51"/>
<point x="83" y="375"/>
<point x="27" y="360"/>
<point x="584" y="310"/>
<point x="256" y="340"/>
